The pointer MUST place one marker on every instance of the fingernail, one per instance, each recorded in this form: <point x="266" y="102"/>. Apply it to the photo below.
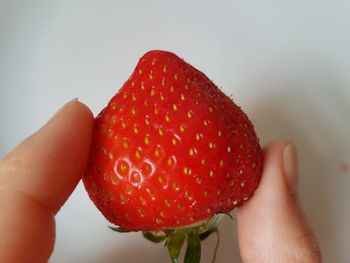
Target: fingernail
<point x="72" y="101"/>
<point x="290" y="166"/>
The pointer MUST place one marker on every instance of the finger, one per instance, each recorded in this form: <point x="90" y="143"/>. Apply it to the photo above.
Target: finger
<point x="35" y="180"/>
<point x="271" y="226"/>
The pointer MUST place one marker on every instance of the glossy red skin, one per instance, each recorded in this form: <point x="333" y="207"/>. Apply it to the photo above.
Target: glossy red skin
<point x="147" y="192"/>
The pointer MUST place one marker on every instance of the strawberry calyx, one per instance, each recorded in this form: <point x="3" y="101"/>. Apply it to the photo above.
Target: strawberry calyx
<point x="192" y="235"/>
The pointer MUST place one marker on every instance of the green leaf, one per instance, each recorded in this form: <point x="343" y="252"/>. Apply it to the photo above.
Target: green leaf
<point x="174" y="244"/>
<point x="153" y="238"/>
<point x="207" y="233"/>
<point x="119" y="229"/>
<point x="193" y="251"/>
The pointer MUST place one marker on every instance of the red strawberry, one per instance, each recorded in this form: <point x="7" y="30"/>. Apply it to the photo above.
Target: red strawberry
<point x="171" y="150"/>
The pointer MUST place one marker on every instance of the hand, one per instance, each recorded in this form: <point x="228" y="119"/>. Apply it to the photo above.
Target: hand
<point x="38" y="176"/>
<point x="271" y="225"/>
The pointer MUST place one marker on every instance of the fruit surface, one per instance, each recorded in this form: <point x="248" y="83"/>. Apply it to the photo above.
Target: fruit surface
<point x="170" y="149"/>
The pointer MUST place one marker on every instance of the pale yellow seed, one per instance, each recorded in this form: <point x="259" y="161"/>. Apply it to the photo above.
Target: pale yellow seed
<point x="174" y="141"/>
<point x="140" y="71"/>
<point x="172" y="89"/>
<point x="124" y="95"/>
<point x="242" y="184"/>
<point x="241" y="171"/>
<point x="221" y="163"/>
<point x="142" y="85"/>
<point x="206" y="122"/>
<point x="176" y="76"/>
<point x="235" y="202"/>
<point x="187" y="194"/>
<point x="174" y="107"/>
<point x="229" y="149"/>
<point x="122" y="198"/>
<point x="190" y="114"/>
<point x="123" y="167"/>
<point x="198" y="180"/>
<point x="219" y="133"/>
<point x="186" y="170"/>
<point x="191" y="151"/>
<point x="210" y="109"/>
<point x="123" y="125"/>
<point x="156" y="110"/>
<point x="162" y="214"/>
<point x="125" y="144"/>
<point x="133" y="96"/>
<point x="136" y="130"/>
<point x="161" y="96"/>
<point x="113" y="106"/>
<point x="198" y="136"/>
<point x="211" y="145"/>
<point x="143" y="200"/>
<point x="111" y="156"/>
<point x="205" y="193"/>
<point x="161" y="131"/>
<point x="133" y="111"/>
<point x="182" y="97"/>
<point x="140" y="212"/>
<point x="153" y="62"/>
<point x="157" y="152"/>
<point x="114" y="119"/>
<point x="167" y="118"/>
<point x="145" y="102"/>
<point x="203" y="161"/>
<point x="166" y="202"/>
<point x="182" y="128"/>
<point x="153" y="91"/>
<point x="138" y="154"/>
<point x="170" y="161"/>
<point x="149" y="192"/>
<point x="211" y="173"/>
<point x="165" y="69"/>
<point x="147" y="121"/>
<point x="163" y="81"/>
<point x="132" y="83"/>
<point x="160" y="179"/>
<point x="151" y="76"/>
<point x="147" y="140"/>
<point x="105" y="152"/>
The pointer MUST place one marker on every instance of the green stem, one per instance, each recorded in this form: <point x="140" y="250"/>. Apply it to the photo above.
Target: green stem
<point x="216" y="246"/>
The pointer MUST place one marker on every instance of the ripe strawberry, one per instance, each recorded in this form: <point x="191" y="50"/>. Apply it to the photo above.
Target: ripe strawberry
<point x="170" y="151"/>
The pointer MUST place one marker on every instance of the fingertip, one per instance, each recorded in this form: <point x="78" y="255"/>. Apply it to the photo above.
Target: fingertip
<point x="49" y="164"/>
<point x="272" y="222"/>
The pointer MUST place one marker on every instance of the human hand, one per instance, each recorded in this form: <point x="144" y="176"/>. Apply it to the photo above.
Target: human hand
<point x="38" y="176"/>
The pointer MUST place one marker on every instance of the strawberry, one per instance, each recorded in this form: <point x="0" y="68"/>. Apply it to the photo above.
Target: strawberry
<point x="170" y="154"/>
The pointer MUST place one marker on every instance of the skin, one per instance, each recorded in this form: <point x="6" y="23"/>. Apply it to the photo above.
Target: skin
<point x="38" y="176"/>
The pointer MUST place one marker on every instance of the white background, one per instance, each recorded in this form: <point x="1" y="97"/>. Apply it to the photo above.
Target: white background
<point x="287" y="63"/>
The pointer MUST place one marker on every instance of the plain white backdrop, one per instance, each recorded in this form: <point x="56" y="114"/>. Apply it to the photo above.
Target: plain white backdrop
<point x="287" y="63"/>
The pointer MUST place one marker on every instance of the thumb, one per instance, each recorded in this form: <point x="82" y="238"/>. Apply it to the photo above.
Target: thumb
<point x="271" y="226"/>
